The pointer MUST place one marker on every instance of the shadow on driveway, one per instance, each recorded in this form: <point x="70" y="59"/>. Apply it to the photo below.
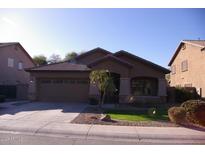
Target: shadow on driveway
<point x="16" y="107"/>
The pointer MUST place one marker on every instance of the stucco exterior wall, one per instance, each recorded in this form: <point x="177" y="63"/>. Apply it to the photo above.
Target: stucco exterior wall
<point x="127" y="73"/>
<point x="11" y="75"/>
<point x="196" y="68"/>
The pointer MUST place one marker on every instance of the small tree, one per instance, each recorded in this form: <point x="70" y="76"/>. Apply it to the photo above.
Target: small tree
<point x="70" y="55"/>
<point x="104" y="82"/>
<point x="55" y="58"/>
<point x="40" y="60"/>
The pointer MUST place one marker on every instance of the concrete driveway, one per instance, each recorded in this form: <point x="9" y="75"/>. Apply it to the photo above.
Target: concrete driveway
<point x="39" y="112"/>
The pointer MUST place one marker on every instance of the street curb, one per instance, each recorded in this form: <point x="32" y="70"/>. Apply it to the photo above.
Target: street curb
<point x="116" y="136"/>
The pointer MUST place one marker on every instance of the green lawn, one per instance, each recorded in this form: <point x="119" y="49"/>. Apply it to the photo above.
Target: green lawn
<point x="136" y="116"/>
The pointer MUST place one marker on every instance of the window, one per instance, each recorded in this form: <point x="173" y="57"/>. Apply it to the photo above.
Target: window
<point x="184" y="66"/>
<point x="10" y="62"/>
<point x="144" y="86"/>
<point x="20" y="66"/>
<point x="173" y="69"/>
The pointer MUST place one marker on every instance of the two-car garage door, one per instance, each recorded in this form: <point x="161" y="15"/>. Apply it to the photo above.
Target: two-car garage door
<point x="63" y="90"/>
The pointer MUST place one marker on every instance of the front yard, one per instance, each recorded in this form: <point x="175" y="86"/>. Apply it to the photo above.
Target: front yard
<point x="160" y="115"/>
<point x="125" y="117"/>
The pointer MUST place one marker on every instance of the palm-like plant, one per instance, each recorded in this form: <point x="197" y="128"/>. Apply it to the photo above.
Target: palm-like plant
<point x="104" y="82"/>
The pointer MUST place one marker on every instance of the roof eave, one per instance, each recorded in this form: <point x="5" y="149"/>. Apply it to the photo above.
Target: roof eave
<point x="177" y="50"/>
<point x="157" y="67"/>
<point x="30" y="70"/>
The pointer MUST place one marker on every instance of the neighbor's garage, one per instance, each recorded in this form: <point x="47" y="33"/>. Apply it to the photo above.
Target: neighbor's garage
<point x="61" y="82"/>
<point x="63" y="90"/>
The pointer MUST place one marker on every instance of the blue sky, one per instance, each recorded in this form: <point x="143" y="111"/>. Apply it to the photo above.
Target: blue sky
<point x="152" y="34"/>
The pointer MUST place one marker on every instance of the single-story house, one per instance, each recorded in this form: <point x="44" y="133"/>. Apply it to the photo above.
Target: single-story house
<point x="135" y="79"/>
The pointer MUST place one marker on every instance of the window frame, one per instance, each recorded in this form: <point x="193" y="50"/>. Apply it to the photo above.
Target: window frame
<point x="173" y="69"/>
<point x="20" y="69"/>
<point x="10" y="62"/>
<point x="184" y="65"/>
<point x="153" y="91"/>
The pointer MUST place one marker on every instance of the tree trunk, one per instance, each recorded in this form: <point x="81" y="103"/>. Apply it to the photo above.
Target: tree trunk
<point x="103" y="98"/>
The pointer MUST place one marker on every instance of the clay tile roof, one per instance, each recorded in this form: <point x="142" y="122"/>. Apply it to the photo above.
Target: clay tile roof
<point x="110" y="56"/>
<point x="196" y="42"/>
<point x="199" y="43"/>
<point x="155" y="66"/>
<point x="8" y="43"/>
<point x="92" y="51"/>
<point x="61" y="66"/>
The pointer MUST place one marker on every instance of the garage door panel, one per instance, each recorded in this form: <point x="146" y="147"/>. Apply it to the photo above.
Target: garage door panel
<point x="66" y="90"/>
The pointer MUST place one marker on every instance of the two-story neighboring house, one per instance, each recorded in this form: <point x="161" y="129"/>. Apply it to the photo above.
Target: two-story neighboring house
<point x="188" y="65"/>
<point x="13" y="79"/>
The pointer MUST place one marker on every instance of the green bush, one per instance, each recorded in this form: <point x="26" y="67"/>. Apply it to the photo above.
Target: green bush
<point x="177" y="115"/>
<point x="93" y="101"/>
<point x="195" y="111"/>
<point x="2" y="98"/>
<point x="185" y="93"/>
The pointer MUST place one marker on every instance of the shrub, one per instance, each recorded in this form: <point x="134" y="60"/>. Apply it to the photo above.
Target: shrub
<point x="195" y="110"/>
<point x="93" y="101"/>
<point x="185" y="93"/>
<point x="2" y="98"/>
<point x="177" y="114"/>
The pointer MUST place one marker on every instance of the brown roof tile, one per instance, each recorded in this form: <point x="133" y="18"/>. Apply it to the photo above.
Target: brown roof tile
<point x="158" y="67"/>
<point x="197" y="42"/>
<point x="62" y="66"/>
<point x="7" y="44"/>
<point x="98" y="49"/>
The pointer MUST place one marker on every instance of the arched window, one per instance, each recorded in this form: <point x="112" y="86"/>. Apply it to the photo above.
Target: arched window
<point x="144" y="86"/>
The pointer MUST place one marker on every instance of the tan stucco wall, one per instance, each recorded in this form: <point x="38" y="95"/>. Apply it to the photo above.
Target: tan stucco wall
<point x="127" y="73"/>
<point x="196" y="68"/>
<point x="11" y="75"/>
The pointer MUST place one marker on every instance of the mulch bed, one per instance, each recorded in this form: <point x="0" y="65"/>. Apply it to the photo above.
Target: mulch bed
<point x="92" y="115"/>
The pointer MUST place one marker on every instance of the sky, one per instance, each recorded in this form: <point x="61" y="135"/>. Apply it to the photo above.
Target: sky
<point x="153" y="34"/>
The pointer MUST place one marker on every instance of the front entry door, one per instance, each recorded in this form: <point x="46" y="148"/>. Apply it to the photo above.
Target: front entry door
<point x="114" y="97"/>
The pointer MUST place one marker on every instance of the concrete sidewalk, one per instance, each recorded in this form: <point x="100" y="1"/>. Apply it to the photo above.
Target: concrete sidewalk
<point x="164" y="135"/>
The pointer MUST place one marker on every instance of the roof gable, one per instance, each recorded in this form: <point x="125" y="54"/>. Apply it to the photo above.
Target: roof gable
<point x="110" y="57"/>
<point x="98" y="49"/>
<point x="200" y="43"/>
<point x="144" y="61"/>
<point x="20" y="46"/>
<point x="197" y="43"/>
